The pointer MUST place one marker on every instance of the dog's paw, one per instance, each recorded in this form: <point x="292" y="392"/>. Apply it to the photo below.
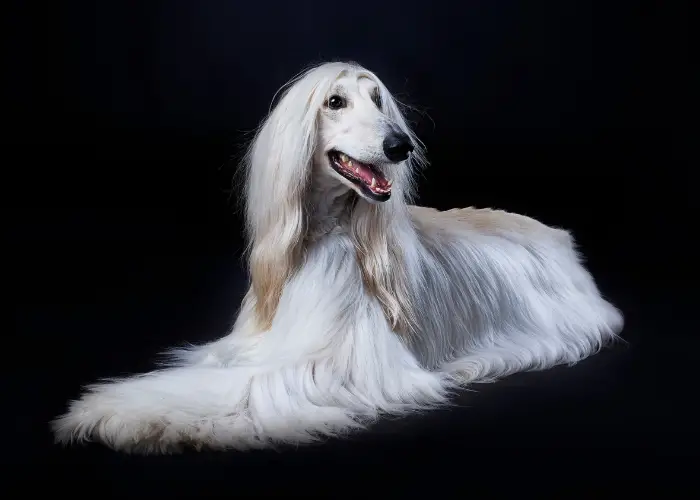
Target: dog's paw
<point x="98" y="417"/>
<point x="467" y="371"/>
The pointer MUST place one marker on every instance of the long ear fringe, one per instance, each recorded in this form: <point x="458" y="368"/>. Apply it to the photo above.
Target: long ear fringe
<point x="378" y="233"/>
<point x="278" y="170"/>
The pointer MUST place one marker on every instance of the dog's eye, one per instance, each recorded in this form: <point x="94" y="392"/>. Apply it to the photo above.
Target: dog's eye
<point x="336" y="102"/>
<point x="377" y="99"/>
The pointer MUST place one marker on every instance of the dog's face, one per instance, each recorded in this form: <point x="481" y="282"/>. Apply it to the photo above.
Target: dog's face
<point x="358" y="145"/>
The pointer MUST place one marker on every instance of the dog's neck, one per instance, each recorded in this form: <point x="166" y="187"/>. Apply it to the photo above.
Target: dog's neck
<point x="330" y="205"/>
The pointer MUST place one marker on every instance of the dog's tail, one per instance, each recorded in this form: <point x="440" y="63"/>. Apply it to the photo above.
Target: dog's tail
<point x="239" y="408"/>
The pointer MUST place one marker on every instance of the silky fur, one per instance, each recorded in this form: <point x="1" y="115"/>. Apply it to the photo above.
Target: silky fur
<point x="356" y="309"/>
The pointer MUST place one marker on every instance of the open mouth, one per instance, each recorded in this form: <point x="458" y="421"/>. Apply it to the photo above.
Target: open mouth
<point x="366" y="177"/>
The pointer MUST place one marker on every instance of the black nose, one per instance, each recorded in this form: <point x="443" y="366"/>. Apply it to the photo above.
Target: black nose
<point x="397" y="146"/>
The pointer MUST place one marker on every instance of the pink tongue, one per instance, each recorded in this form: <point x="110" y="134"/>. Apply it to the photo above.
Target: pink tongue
<point x="366" y="174"/>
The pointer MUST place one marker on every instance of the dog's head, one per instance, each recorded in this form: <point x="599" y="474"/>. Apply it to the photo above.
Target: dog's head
<point x="338" y="121"/>
<point x="358" y="143"/>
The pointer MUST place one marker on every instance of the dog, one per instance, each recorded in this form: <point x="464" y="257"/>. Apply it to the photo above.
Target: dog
<point x="360" y="304"/>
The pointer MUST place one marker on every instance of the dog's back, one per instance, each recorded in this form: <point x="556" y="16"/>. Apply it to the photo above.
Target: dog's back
<point x="485" y="221"/>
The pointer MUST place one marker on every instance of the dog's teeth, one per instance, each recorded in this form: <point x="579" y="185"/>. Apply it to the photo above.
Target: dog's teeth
<point x="374" y="182"/>
<point x="343" y="157"/>
<point x="349" y="163"/>
<point x="357" y="170"/>
<point x="390" y="182"/>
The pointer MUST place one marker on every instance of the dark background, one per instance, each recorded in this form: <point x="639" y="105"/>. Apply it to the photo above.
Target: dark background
<point x="122" y="124"/>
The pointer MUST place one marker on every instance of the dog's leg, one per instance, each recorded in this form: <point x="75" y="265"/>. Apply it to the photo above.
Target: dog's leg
<point x="240" y="408"/>
<point x="258" y="406"/>
<point x="329" y="364"/>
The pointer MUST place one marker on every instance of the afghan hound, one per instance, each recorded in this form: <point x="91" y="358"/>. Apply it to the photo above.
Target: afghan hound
<point x="360" y="304"/>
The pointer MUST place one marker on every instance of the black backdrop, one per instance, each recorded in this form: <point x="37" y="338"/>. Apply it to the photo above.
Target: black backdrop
<point x="122" y="119"/>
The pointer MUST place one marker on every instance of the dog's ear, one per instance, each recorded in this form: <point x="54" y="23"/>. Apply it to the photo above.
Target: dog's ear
<point x="379" y="234"/>
<point x="404" y="176"/>
<point x="277" y="180"/>
<point x="384" y="264"/>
